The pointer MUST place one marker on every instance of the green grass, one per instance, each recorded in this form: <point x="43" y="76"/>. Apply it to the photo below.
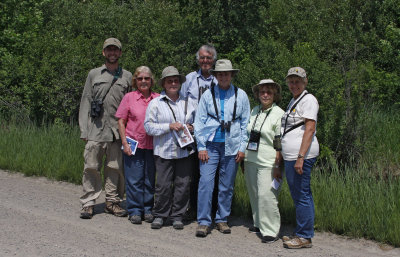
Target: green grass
<point x="361" y="199"/>
<point x="53" y="151"/>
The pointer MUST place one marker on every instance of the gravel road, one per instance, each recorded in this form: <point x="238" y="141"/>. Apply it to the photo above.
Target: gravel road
<point x="39" y="217"/>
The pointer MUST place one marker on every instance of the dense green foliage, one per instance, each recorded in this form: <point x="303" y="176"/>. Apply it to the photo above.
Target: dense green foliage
<point x="350" y="49"/>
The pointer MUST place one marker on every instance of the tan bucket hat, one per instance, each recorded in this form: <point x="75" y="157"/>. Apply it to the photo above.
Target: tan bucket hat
<point x="112" y="42"/>
<point x="224" y="65"/>
<point x="266" y="81"/>
<point x="297" y="71"/>
<point x="171" y="71"/>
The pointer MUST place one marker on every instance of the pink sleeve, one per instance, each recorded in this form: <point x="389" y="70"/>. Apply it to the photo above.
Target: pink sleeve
<point x="123" y="108"/>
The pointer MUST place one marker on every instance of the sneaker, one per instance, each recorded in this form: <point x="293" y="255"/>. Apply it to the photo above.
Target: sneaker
<point x="254" y="229"/>
<point x="114" y="209"/>
<point x="157" y="223"/>
<point x="177" y="224"/>
<point x="87" y="212"/>
<point x="298" y="242"/>
<point x="287" y="238"/>
<point x="202" y="231"/>
<point x="223" y="228"/>
<point x="269" y="239"/>
<point x="135" y="219"/>
<point x="148" y="218"/>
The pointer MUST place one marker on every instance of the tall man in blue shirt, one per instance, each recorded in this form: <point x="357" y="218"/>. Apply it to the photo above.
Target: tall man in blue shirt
<point x="197" y="82"/>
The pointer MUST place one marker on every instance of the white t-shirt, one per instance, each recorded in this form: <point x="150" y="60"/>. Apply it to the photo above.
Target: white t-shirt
<point x="307" y="108"/>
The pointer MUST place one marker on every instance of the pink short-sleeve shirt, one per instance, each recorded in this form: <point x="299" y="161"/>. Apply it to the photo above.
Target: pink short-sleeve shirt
<point x="133" y="109"/>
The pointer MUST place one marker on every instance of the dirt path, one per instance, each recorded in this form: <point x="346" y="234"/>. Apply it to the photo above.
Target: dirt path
<point x="39" y="217"/>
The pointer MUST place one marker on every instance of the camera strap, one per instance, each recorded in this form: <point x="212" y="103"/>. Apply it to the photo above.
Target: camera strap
<point x="215" y="104"/>
<point x="255" y="121"/>
<point x="291" y="109"/>
<point x="173" y="113"/>
<point x="203" y="89"/>
<point x="254" y="140"/>
<point x="115" y="78"/>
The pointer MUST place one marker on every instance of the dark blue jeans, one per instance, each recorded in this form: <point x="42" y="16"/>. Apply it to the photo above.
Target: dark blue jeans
<point x="300" y="189"/>
<point x="139" y="180"/>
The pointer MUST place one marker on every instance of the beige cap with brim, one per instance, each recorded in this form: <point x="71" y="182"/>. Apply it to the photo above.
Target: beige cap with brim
<point x="297" y="71"/>
<point x="112" y="42"/>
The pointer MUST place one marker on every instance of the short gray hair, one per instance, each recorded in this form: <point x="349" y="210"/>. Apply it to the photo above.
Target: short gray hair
<point x="208" y="48"/>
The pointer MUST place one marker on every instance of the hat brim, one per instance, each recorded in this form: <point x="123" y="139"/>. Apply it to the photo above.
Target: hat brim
<point x="294" y="74"/>
<point x="254" y="88"/>
<point x="104" y="47"/>
<point x="234" y="71"/>
<point x="182" y="79"/>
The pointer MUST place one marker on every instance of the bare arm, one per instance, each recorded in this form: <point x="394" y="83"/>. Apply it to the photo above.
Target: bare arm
<point x="121" y="129"/>
<point x="305" y="144"/>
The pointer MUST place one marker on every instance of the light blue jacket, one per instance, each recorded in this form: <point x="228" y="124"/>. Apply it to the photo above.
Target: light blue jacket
<point x="205" y="125"/>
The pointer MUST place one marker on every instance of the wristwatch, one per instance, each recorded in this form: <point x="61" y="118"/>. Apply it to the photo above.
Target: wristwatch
<point x="300" y="156"/>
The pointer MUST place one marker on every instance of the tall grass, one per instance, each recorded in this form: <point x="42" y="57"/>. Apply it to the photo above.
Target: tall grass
<point x="54" y="151"/>
<point x="360" y="199"/>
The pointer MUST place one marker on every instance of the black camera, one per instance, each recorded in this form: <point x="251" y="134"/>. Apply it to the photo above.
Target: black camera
<point x="226" y="126"/>
<point x="277" y="143"/>
<point x="95" y="108"/>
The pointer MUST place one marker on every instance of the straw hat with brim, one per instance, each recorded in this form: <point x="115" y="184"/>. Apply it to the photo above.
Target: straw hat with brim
<point x="171" y="71"/>
<point x="297" y="71"/>
<point x="266" y="82"/>
<point x="223" y="65"/>
<point x="112" y="42"/>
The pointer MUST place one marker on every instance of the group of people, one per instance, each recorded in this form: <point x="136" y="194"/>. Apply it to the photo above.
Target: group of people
<point x="165" y="179"/>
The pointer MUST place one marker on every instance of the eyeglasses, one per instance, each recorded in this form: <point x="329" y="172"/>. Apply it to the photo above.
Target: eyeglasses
<point x="143" y="78"/>
<point x="206" y="57"/>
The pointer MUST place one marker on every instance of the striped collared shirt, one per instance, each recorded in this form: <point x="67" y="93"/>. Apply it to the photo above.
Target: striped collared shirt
<point x="158" y="118"/>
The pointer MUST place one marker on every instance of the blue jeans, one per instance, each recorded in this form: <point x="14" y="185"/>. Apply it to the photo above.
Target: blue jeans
<point x="300" y="189"/>
<point x="227" y="174"/>
<point x="139" y="180"/>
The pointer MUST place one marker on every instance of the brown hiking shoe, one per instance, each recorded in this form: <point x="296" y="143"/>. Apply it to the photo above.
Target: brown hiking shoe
<point x="114" y="209"/>
<point x="223" y="228"/>
<point x="202" y="231"/>
<point x="298" y="242"/>
<point x="287" y="238"/>
<point x="87" y="212"/>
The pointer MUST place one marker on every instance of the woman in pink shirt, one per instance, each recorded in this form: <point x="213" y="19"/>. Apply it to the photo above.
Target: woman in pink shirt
<point x="139" y="167"/>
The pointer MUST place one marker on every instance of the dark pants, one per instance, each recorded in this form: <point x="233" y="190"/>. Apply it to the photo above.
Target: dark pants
<point x="139" y="180"/>
<point x="172" y="187"/>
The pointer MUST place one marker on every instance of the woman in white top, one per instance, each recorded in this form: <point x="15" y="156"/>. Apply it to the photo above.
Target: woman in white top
<point x="166" y="117"/>
<point x="300" y="149"/>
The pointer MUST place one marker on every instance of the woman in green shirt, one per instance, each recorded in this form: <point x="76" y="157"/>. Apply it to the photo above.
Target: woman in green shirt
<point x="262" y="164"/>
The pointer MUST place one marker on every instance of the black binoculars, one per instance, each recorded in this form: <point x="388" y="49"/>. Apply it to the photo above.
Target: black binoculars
<point x="95" y="108"/>
<point x="226" y="126"/>
<point x="277" y="143"/>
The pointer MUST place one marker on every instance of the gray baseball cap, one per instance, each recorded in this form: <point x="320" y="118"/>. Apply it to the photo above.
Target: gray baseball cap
<point x="297" y="71"/>
<point x="112" y="42"/>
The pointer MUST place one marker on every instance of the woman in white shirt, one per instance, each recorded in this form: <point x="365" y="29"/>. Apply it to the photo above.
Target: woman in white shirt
<point x="300" y="149"/>
<point x="166" y="115"/>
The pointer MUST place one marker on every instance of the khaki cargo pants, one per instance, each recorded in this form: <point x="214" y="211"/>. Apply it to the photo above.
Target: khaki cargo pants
<point x="113" y="172"/>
